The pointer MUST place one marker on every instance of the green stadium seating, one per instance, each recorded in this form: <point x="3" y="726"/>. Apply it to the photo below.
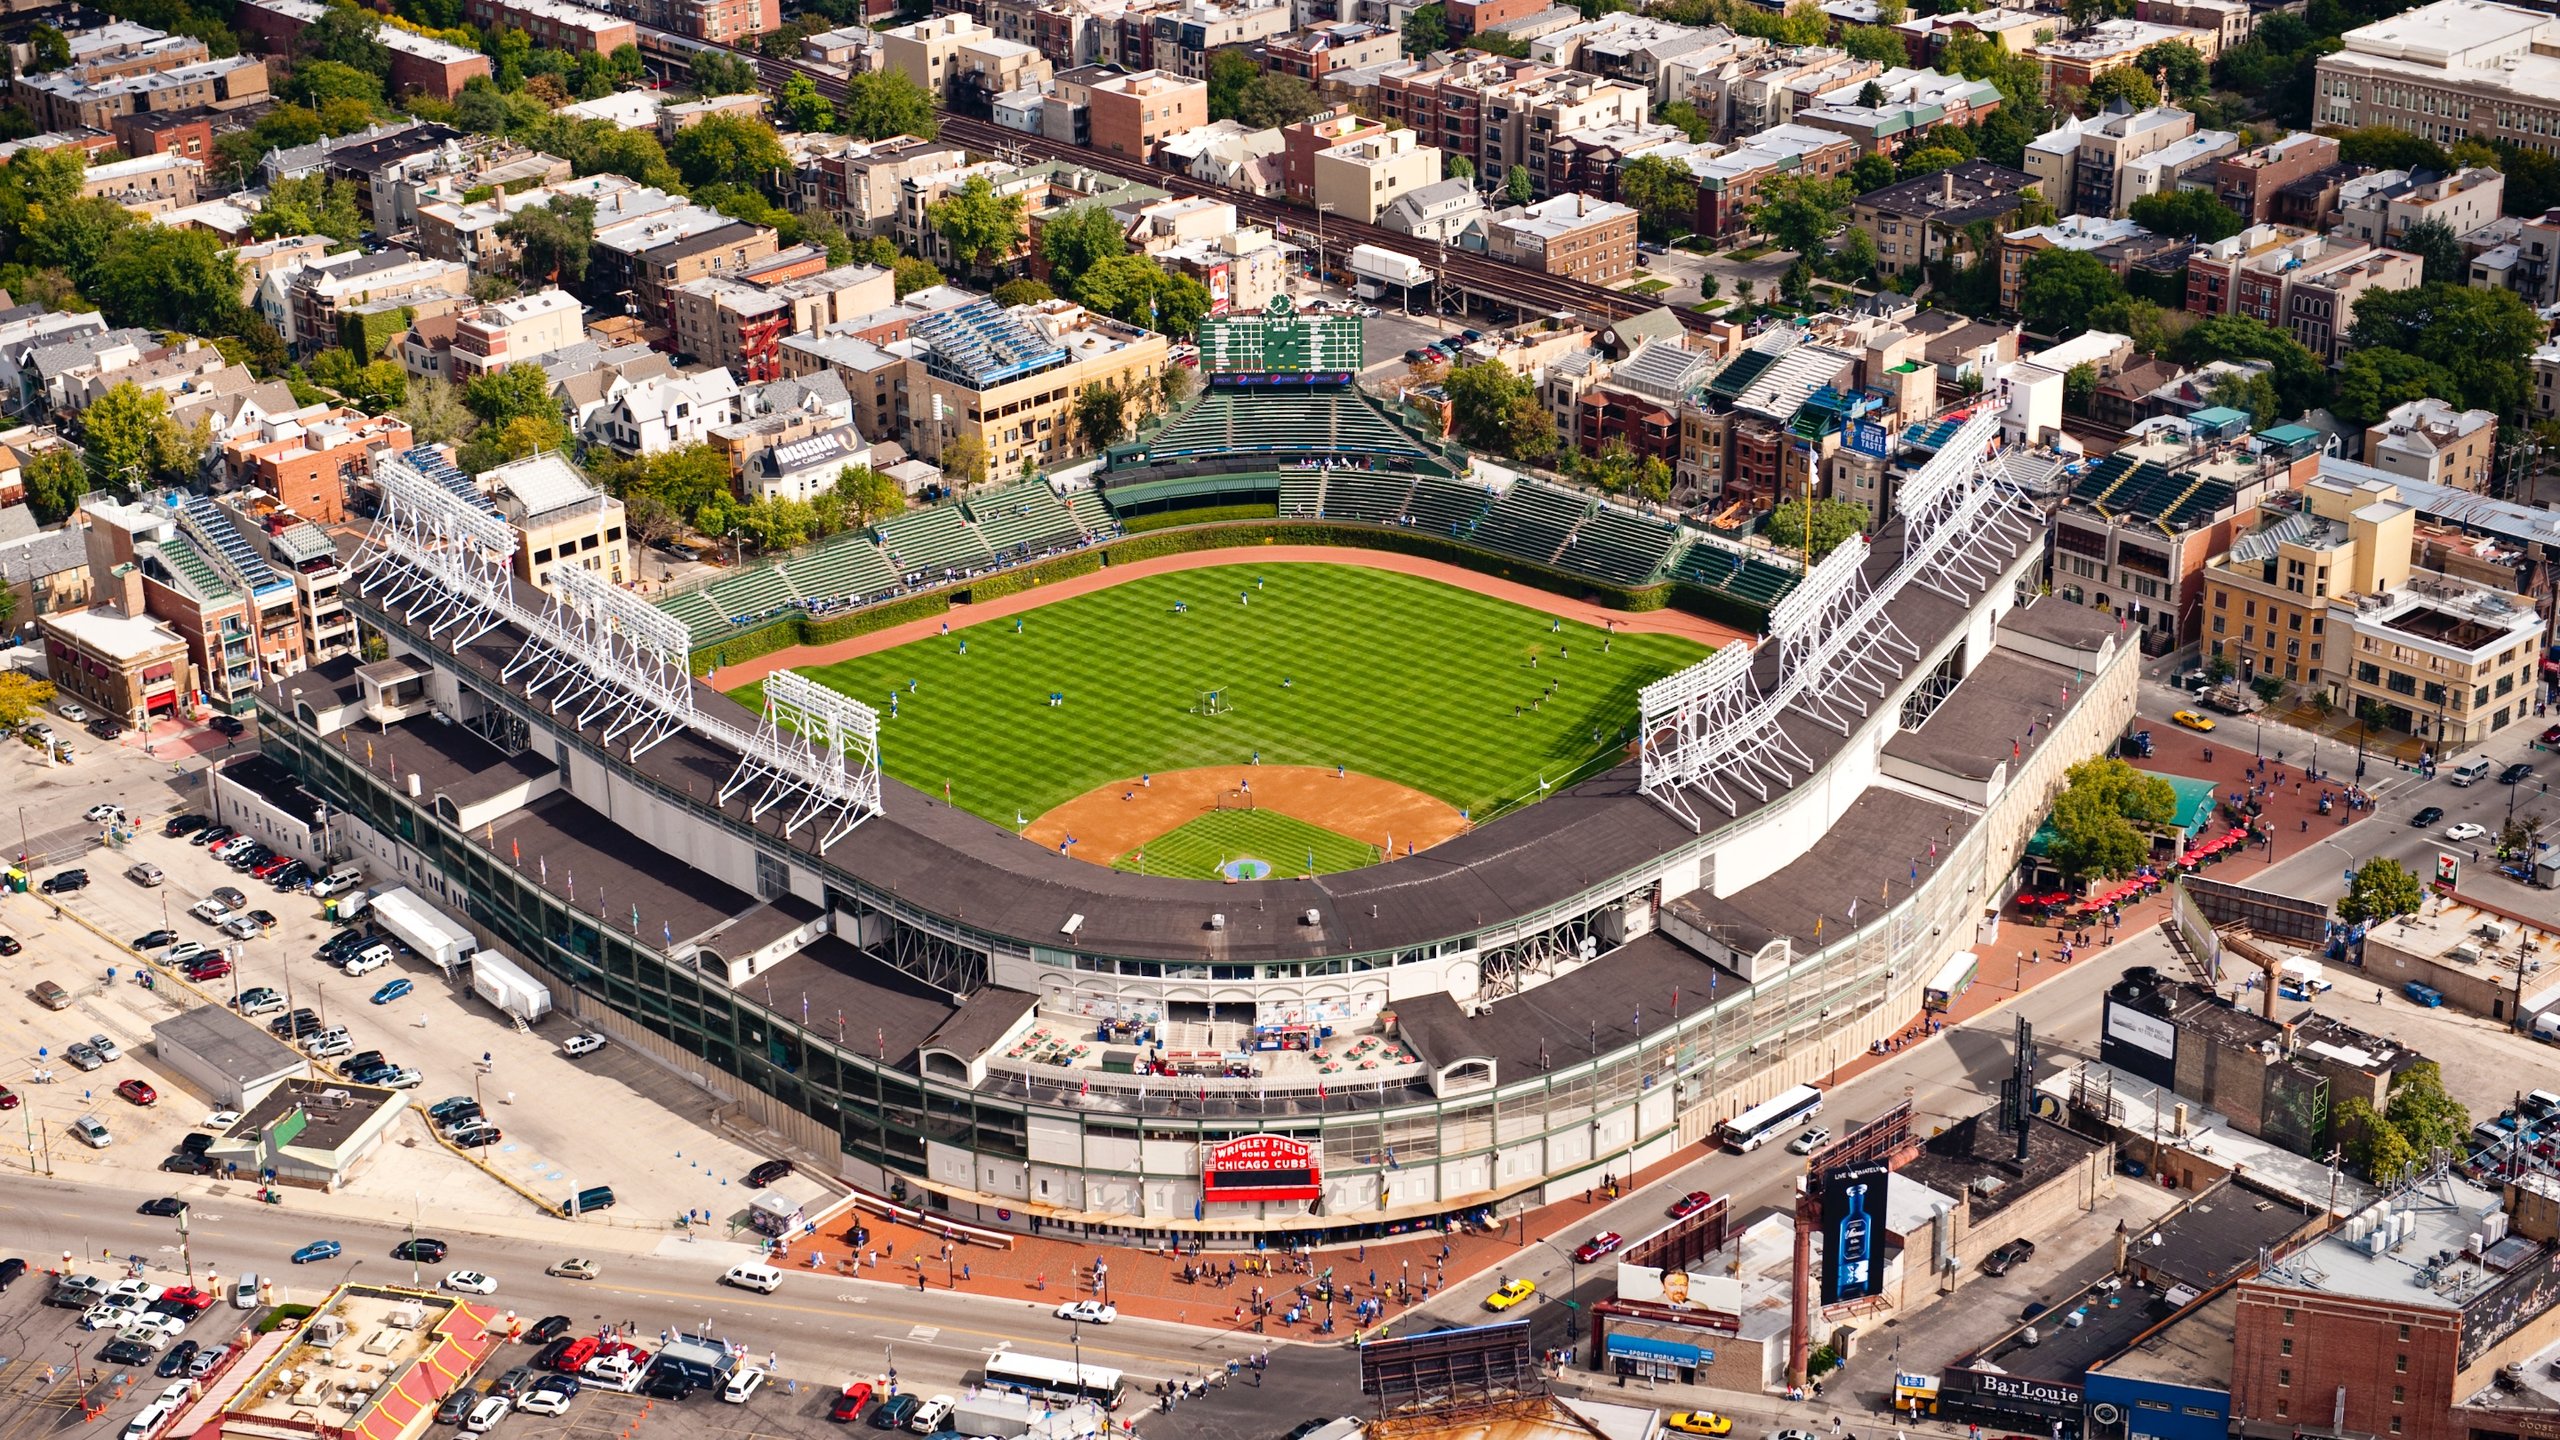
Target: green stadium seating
<point x="1326" y="423"/>
<point x="1092" y="512"/>
<point x="752" y="594"/>
<point x="933" y="540"/>
<point x="1747" y="578"/>
<point x="1621" y="548"/>
<point x="847" y="568"/>
<point x="1024" y="519"/>
<point x="1367" y="495"/>
<point x="1302" y="492"/>
<point x="1533" y="519"/>
<point x="1448" y="507"/>
<point x="699" y="615"/>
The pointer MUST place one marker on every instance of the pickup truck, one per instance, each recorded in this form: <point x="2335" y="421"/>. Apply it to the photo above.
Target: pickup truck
<point x="2008" y="1257"/>
<point x="2233" y="698"/>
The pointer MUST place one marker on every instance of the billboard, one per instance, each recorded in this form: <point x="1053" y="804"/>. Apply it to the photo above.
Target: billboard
<point x="1259" y="1167"/>
<point x="2146" y="1032"/>
<point x="1869" y="438"/>
<point x="1693" y="1290"/>
<point x="1853" y="1232"/>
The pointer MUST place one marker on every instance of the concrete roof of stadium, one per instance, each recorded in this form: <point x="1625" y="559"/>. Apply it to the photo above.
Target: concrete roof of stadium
<point x="951" y="863"/>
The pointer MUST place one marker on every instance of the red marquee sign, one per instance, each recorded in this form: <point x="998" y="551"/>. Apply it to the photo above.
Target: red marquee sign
<point x="1260" y="1167"/>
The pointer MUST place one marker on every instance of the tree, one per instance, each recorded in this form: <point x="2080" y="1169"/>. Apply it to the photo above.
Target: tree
<point x="1833" y="521"/>
<point x="506" y="395"/>
<point x="964" y="461"/>
<point x="2435" y="244"/>
<point x="1494" y="409"/>
<point x="346" y="35"/>
<point x="2191" y="214"/>
<point x="2479" y="336"/>
<point x="1799" y="214"/>
<point x="913" y="274"/>
<point x="2374" y="1147"/>
<point x="51" y="50"/>
<point x="169" y="279"/>
<point x="553" y="241"/>
<point x="1174" y="385"/>
<point x="2301" y="380"/>
<point x="2095" y="818"/>
<point x="130" y="441"/>
<point x="808" y="109"/>
<point x="2058" y="289"/>
<point x="2387" y="147"/>
<point x="1025" y="291"/>
<point x="716" y="72"/>
<point x="436" y="414"/>
<point x="2079" y="387"/>
<point x="1930" y="159"/>
<point x="1681" y="113"/>
<point x="2126" y="83"/>
<point x="21" y="696"/>
<point x="1274" y="99"/>
<point x="980" y="226"/>
<point x="55" y="480"/>
<point x="1665" y="196"/>
<point x="72" y="235"/>
<point x="1881" y="44"/>
<point x="737" y="150"/>
<point x="2424" y="1114"/>
<point x="1874" y="171"/>
<point x="1426" y="29"/>
<point x="1520" y="185"/>
<point x="1230" y="71"/>
<point x="1871" y="95"/>
<point x="1101" y="413"/>
<point x="1073" y="242"/>
<point x="1137" y="289"/>
<point x="2372" y="382"/>
<point x="2384" y="889"/>
<point x="373" y="388"/>
<point x="869" y="496"/>
<point x="885" y="103"/>
<point x="310" y="205"/>
<point x="1459" y="167"/>
<point x="1854" y="260"/>
<point x="2186" y="70"/>
<point x="2252" y="394"/>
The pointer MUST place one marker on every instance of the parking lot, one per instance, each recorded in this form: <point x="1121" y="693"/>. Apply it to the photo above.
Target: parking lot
<point x="550" y="1147"/>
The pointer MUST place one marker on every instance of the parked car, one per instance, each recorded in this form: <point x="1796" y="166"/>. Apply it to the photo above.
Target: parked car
<point x="470" y="1282"/>
<point x="154" y="939"/>
<point x="2008" y="1257"/>
<point x="184" y="825"/>
<point x="211" y="835"/>
<point x="66" y="882"/>
<point x="546" y="1329"/>
<point x="768" y="1173"/>
<point x="83" y="1055"/>
<point x="578" y="1046"/>
<point x="393" y="991"/>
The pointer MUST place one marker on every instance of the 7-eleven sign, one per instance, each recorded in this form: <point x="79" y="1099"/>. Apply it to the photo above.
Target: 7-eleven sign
<point x="2448" y="868"/>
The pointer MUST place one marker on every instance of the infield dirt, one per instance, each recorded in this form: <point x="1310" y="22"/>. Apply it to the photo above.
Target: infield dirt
<point x="1114" y="819"/>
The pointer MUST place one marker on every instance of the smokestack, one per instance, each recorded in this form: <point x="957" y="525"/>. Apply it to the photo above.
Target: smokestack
<point x="2123" y="1244"/>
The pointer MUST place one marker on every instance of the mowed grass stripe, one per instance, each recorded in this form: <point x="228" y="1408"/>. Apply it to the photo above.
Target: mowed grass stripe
<point x="1390" y="675"/>
<point x="1194" y="849"/>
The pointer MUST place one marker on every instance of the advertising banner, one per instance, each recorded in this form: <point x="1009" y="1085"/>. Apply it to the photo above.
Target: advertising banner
<point x="1852" y="1237"/>
<point x="1680" y="1289"/>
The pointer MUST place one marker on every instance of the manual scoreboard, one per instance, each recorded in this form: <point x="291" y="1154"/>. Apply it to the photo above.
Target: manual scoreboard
<point x="1280" y="348"/>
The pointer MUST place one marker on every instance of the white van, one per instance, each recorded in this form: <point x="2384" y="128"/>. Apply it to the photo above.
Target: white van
<point x="150" y="1419"/>
<point x="930" y="1415"/>
<point x="486" y="1415"/>
<point x="763" y="1279"/>
<point x="338" y="881"/>
<point x="743" y="1384"/>
<point x="2471" y="771"/>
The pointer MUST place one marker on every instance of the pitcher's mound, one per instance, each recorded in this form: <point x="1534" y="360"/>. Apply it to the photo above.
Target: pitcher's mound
<point x="1227" y="822"/>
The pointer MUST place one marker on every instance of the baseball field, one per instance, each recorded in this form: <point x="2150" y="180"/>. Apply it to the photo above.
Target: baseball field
<point x="1378" y="710"/>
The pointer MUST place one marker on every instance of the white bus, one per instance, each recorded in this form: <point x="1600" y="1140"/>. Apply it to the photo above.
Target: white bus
<point x="1037" y="1375"/>
<point x="1761" y="1123"/>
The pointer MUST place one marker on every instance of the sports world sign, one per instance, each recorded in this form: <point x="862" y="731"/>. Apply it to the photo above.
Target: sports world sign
<point x="1259" y="1167"/>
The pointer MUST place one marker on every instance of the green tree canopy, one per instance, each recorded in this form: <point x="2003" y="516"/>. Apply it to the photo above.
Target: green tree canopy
<point x="1137" y="289"/>
<point x="2372" y="382"/>
<point x="1494" y="409"/>
<point x="1800" y="214"/>
<point x="717" y="72"/>
<point x="1102" y="416"/>
<point x="2374" y="1146"/>
<point x="169" y="279"/>
<point x="2384" y="889"/>
<point x="1425" y="29"/>
<point x="2127" y="83"/>
<point x="55" y="480"/>
<point x="2387" y="147"/>
<point x="2058" y="289"/>
<point x="2425" y="1115"/>
<point x="808" y="109"/>
<point x="510" y="394"/>
<point x="2095" y="816"/>
<point x="914" y="273"/>
<point x="1665" y="196"/>
<point x="317" y="82"/>
<point x="1073" y="242"/>
<point x="2185" y="68"/>
<point x="2479" y="336"/>
<point x="131" y="442"/>
<point x="552" y="241"/>
<point x="310" y="205"/>
<point x="981" y="226"/>
<point x="345" y="34"/>
<point x="2438" y="249"/>
<point x="737" y="150"/>
<point x="1881" y="44"/>
<point x="1833" y="521"/>
<point x="885" y="103"/>
<point x="2301" y="380"/>
<point x="1520" y="185"/>
<point x="2188" y="214"/>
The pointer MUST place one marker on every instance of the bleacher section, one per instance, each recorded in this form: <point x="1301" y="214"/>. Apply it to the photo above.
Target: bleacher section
<point x="1302" y="493"/>
<point x="1091" y="513"/>
<point x="699" y="615"/>
<point x="1533" y="519"/>
<point x="933" y="540"/>
<point x="1746" y="578"/>
<point x="1448" y="507"/>
<point x="848" y="567"/>
<point x="1024" y="519"/>
<point x="751" y="594"/>
<point x="1328" y="423"/>
<point x="1619" y="547"/>
<point x="1367" y="496"/>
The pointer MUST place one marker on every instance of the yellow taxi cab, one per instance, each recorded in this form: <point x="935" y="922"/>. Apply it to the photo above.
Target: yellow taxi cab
<point x="2194" y="721"/>
<point x="1511" y="1293"/>
<point x="1699" y="1422"/>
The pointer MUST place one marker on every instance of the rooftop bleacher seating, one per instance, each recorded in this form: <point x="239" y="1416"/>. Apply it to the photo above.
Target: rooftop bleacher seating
<point x="1024" y="519"/>
<point x="1747" y="578"/>
<point x="1621" y="548"/>
<point x="847" y="568"/>
<point x="933" y="540"/>
<point x="1533" y="519"/>
<point x="1312" y="423"/>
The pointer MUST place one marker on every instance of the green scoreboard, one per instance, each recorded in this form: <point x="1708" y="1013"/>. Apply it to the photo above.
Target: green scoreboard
<point x="1280" y="347"/>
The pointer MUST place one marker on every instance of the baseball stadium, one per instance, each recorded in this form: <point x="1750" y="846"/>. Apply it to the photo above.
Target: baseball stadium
<point x="1287" y="775"/>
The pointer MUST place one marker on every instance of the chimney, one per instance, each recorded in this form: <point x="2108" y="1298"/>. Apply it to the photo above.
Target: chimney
<point x="128" y="578"/>
<point x="2123" y="1243"/>
<point x="1947" y="187"/>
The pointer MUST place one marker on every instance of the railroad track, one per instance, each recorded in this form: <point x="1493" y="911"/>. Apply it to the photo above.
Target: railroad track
<point x="1526" y="290"/>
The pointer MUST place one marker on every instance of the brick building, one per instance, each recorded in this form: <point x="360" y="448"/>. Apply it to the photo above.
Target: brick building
<point x="2249" y="181"/>
<point x="1302" y="142"/>
<point x="419" y="63"/>
<point x="1729" y="184"/>
<point x="1319" y="50"/>
<point x="169" y="132"/>
<point x="556" y="25"/>
<point x="1132" y="114"/>
<point x="1570" y="235"/>
<point x="307" y="458"/>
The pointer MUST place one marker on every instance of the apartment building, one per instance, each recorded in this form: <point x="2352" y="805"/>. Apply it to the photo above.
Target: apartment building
<point x="1638" y="50"/>
<point x="1756" y="89"/>
<point x="1301" y="142"/>
<point x="1360" y="179"/>
<point x="2267" y="602"/>
<point x="489" y="338"/>
<point x="2428" y="439"/>
<point x="860" y="183"/>
<point x="555" y="24"/>
<point x="2082" y="161"/>
<point x="2320" y="305"/>
<point x="1911" y="104"/>
<point x="1228" y="153"/>
<point x="1242" y="267"/>
<point x="304" y="554"/>
<point x="1185" y="37"/>
<point x="1574" y="236"/>
<point x="2249" y="181"/>
<point x="1321" y="49"/>
<point x="419" y="63"/>
<point x="2122" y="244"/>
<point x="60" y="101"/>
<point x="1524" y="123"/>
<point x="469" y="234"/>
<point x="928" y="51"/>
<point x="2074" y="59"/>
<point x="120" y="48"/>
<point x="722" y="22"/>
<point x="2015" y="29"/>
<point x="1009" y="378"/>
<point x="2447" y="71"/>
<point x="2445" y="660"/>
<point x="1133" y="114"/>
<point x="2380" y="207"/>
<point x="318" y="294"/>
<point x="1729" y="184"/>
<point x="2136" y="532"/>
<point x="1442" y="97"/>
<point x="117" y="661"/>
<point x="305" y="459"/>
<point x="174" y="132"/>
<point x="1927" y="217"/>
<point x="146" y="184"/>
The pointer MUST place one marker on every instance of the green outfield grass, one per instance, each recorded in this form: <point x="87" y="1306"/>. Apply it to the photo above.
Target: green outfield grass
<point x="1389" y="675"/>
<point x="1194" y="849"/>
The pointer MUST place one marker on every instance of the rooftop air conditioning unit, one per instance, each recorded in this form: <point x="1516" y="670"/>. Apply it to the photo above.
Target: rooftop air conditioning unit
<point x="1218" y="922"/>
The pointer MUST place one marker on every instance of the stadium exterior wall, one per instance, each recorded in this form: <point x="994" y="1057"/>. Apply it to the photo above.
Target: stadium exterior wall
<point x="1071" y="1159"/>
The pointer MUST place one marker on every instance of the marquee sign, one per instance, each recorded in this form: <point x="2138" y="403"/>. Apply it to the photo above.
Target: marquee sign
<point x="1260" y="1167"/>
<point x="2018" y="1389"/>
